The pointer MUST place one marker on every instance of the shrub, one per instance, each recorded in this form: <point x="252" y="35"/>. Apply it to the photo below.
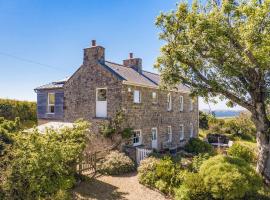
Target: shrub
<point x="197" y="146"/>
<point x="116" y="163"/>
<point x="242" y="151"/>
<point x="162" y="174"/>
<point x="229" y="177"/>
<point x="198" y="160"/>
<point x="41" y="165"/>
<point x="147" y="171"/>
<point x="192" y="188"/>
<point x="25" y="110"/>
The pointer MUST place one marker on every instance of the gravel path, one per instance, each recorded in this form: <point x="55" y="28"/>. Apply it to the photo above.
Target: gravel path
<point x="115" y="187"/>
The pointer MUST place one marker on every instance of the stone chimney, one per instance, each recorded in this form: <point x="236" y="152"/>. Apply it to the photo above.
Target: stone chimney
<point x="135" y="63"/>
<point x="94" y="53"/>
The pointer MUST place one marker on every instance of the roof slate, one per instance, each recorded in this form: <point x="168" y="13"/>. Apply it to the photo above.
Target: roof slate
<point x="128" y="74"/>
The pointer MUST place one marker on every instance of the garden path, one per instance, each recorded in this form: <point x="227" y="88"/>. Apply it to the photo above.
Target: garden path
<point x="125" y="187"/>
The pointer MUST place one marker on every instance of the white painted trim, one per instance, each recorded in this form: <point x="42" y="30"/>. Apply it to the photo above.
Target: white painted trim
<point x="169" y="133"/>
<point x="182" y="134"/>
<point x="48" y="103"/>
<point x="169" y="101"/>
<point x="140" y="138"/>
<point x="140" y="96"/>
<point x="105" y="88"/>
<point x="181" y="106"/>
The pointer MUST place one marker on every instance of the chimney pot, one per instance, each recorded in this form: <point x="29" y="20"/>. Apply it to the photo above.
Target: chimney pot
<point x="93" y="43"/>
<point x="130" y="55"/>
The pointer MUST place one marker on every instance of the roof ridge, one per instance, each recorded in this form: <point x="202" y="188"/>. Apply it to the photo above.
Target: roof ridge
<point x="127" y="67"/>
<point x="115" y="63"/>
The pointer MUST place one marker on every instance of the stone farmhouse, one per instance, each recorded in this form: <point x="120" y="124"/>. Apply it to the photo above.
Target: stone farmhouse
<point x="99" y="88"/>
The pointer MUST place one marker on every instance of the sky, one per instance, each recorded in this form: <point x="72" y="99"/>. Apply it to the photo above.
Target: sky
<point x="43" y="41"/>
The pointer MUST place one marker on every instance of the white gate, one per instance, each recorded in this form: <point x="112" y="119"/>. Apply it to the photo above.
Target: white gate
<point x="142" y="154"/>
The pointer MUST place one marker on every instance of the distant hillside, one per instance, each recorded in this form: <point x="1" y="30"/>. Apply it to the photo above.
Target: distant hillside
<point x="224" y="113"/>
<point x="25" y="110"/>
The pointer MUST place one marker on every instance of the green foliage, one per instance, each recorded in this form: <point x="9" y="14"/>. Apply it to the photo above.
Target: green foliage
<point x="204" y="120"/>
<point x="41" y="165"/>
<point x="240" y="127"/>
<point x="242" y="151"/>
<point x="192" y="188"/>
<point x="146" y="171"/>
<point x="162" y="174"/>
<point x="116" y="163"/>
<point x="197" y="146"/>
<point x="198" y="160"/>
<point x="229" y="177"/>
<point x="10" y="109"/>
<point x="116" y="126"/>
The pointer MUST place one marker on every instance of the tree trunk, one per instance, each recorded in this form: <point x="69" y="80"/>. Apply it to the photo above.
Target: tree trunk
<point x="262" y="124"/>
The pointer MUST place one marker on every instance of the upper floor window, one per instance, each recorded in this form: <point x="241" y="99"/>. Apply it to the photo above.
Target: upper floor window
<point x="137" y="96"/>
<point x="191" y="104"/>
<point x="191" y="130"/>
<point x="51" y="102"/>
<point x="169" y="102"/>
<point x="137" y="137"/>
<point x="169" y="134"/>
<point x="181" y="132"/>
<point x="181" y="103"/>
<point x="154" y="97"/>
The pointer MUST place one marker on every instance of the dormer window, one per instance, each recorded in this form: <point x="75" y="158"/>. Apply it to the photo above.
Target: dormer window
<point x="137" y="96"/>
<point x="169" y="102"/>
<point x="51" y="103"/>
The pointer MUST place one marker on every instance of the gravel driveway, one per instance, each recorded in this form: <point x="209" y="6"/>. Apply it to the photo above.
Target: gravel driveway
<point x="124" y="187"/>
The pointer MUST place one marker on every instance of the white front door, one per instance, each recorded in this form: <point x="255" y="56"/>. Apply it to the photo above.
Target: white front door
<point x="101" y="102"/>
<point x="154" y="138"/>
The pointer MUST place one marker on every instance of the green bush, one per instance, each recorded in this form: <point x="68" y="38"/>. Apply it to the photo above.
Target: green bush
<point x="229" y="178"/>
<point x="25" y="110"/>
<point x="147" y="171"/>
<point x="41" y="165"/>
<point x="197" y="146"/>
<point x="198" y="160"/>
<point x="192" y="188"/>
<point x="242" y="151"/>
<point x="162" y="174"/>
<point x="116" y="163"/>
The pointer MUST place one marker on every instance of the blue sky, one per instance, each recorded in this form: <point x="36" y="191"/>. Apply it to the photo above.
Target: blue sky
<point x="54" y="34"/>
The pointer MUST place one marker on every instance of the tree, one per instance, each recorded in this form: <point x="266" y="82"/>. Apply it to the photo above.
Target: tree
<point x="222" y="49"/>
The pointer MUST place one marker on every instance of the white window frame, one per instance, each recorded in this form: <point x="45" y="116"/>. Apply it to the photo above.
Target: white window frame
<point x="49" y="105"/>
<point x="154" y="128"/>
<point x="169" y="102"/>
<point x="140" y="137"/>
<point x="169" y="132"/>
<point x="97" y="89"/>
<point x="191" y="104"/>
<point x="137" y="99"/>
<point x="191" y="130"/>
<point x="181" y="103"/>
<point x="154" y="100"/>
<point x="182" y="132"/>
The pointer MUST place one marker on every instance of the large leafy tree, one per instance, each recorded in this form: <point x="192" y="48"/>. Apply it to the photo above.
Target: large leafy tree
<point x="222" y="49"/>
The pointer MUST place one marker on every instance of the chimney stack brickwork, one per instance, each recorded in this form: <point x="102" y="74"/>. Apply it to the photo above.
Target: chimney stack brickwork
<point x="94" y="53"/>
<point x="135" y="63"/>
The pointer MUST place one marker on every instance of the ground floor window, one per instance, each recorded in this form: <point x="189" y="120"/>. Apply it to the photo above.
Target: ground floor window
<point x="137" y="137"/>
<point x="182" y="135"/>
<point x="191" y="130"/>
<point x="169" y="134"/>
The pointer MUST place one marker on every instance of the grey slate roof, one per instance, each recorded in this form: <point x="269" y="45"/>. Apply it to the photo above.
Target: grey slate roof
<point x="53" y="85"/>
<point x="128" y="74"/>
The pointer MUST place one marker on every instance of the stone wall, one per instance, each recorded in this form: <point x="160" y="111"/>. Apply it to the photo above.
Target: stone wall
<point x="80" y="90"/>
<point x="146" y="115"/>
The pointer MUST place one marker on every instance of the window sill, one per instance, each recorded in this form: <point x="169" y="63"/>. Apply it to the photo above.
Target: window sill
<point x="50" y="113"/>
<point x="102" y="118"/>
<point x="136" y="144"/>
